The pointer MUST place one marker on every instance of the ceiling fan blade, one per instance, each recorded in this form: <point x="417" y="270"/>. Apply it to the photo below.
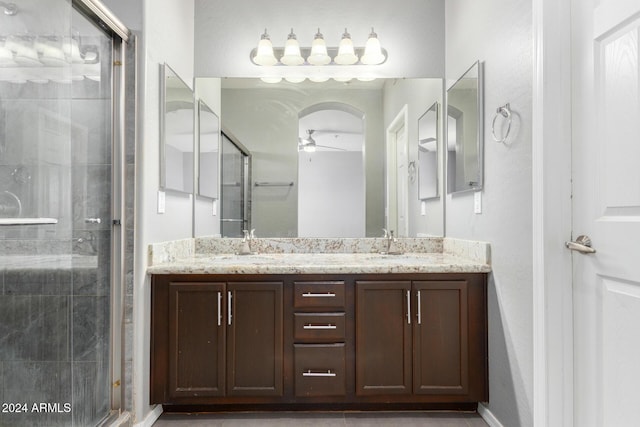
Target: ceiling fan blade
<point x="331" y="148"/>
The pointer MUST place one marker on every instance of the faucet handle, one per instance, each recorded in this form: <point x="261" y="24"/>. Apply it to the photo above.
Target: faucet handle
<point x="252" y="234"/>
<point x="386" y="233"/>
<point x="245" y="235"/>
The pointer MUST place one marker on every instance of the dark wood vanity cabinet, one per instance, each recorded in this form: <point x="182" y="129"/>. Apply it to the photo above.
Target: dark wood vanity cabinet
<point x="215" y="338"/>
<point x="357" y="341"/>
<point x="421" y="337"/>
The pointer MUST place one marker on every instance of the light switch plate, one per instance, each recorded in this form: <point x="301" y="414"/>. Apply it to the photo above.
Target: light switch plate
<point x="214" y="208"/>
<point x="423" y="208"/>
<point x="161" y="202"/>
<point x="477" y="202"/>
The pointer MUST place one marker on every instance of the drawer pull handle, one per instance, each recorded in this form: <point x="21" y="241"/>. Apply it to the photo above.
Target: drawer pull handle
<point x="310" y="326"/>
<point x="318" y="374"/>
<point x="319" y="295"/>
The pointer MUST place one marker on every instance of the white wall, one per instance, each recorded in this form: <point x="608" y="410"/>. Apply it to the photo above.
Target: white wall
<point x="331" y="199"/>
<point x="167" y="36"/>
<point x="500" y="34"/>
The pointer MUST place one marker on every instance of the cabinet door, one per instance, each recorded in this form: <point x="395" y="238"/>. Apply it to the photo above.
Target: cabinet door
<point x="441" y="338"/>
<point x="383" y="337"/>
<point x="255" y="339"/>
<point x="196" y="339"/>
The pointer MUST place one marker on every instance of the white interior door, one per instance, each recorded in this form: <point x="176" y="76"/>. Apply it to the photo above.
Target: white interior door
<point x="606" y="177"/>
<point x="402" y="183"/>
<point x="397" y="200"/>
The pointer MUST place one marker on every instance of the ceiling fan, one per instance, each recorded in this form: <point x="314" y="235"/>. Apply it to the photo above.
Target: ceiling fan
<point x="309" y="144"/>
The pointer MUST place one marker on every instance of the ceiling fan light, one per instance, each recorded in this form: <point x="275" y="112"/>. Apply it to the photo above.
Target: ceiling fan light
<point x="292" y="54"/>
<point x="346" y="51"/>
<point x="264" y="53"/>
<point x="319" y="55"/>
<point x="372" y="51"/>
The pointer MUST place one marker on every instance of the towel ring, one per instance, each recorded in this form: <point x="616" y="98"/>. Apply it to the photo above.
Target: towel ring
<point x="504" y="111"/>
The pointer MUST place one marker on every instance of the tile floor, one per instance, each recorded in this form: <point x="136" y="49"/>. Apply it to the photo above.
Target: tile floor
<point x="315" y="419"/>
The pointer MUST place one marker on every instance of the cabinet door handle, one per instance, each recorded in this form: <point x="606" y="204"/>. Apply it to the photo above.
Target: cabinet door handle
<point x="219" y="308"/>
<point x="229" y="314"/>
<point x="409" y="307"/>
<point x="309" y="373"/>
<point x="419" y="310"/>
<point x="318" y="295"/>
<point x="311" y="326"/>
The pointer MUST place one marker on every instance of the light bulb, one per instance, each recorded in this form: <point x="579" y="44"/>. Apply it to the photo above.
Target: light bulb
<point x="318" y="54"/>
<point x="271" y="79"/>
<point x="372" y="51"/>
<point x="346" y="52"/>
<point x="292" y="51"/>
<point x="264" y="54"/>
<point x="295" y="79"/>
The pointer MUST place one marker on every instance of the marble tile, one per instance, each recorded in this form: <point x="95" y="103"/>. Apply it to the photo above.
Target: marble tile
<point x="34" y="328"/>
<point x="90" y="328"/>
<point x="36" y="382"/>
<point x="90" y="392"/>
<point x="38" y="282"/>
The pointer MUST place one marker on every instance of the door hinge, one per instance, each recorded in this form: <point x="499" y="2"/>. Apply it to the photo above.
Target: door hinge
<point x="117" y="63"/>
<point x="116" y="222"/>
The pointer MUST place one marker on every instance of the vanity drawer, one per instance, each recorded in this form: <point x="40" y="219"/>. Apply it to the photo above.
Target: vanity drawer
<point x="319" y="370"/>
<point x="319" y="294"/>
<point x="318" y="327"/>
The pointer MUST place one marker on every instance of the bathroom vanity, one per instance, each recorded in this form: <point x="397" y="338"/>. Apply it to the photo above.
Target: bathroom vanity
<point x="319" y="331"/>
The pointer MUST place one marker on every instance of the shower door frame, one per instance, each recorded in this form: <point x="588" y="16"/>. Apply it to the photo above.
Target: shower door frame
<point x="120" y="36"/>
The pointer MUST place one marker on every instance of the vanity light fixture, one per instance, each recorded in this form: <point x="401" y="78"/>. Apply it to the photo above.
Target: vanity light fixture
<point x="292" y="54"/>
<point x="319" y="54"/>
<point x="264" y="54"/>
<point x="346" y="51"/>
<point x="372" y="51"/>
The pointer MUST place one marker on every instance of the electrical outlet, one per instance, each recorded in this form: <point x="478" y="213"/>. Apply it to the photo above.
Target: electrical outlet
<point x="161" y="202"/>
<point x="477" y="202"/>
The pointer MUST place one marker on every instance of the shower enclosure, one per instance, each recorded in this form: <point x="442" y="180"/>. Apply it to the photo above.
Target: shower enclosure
<point x="60" y="210"/>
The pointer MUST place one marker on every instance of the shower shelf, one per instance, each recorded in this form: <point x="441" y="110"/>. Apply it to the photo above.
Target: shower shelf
<point x="28" y="221"/>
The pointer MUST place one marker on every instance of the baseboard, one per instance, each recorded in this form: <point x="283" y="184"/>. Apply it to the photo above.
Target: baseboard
<point x="124" y="419"/>
<point x="488" y="416"/>
<point x="151" y="417"/>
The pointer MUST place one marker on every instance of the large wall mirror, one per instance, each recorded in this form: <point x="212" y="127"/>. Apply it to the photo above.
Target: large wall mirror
<point x="465" y="132"/>
<point x="176" y="132"/>
<point x="208" y="151"/>
<point x="265" y="118"/>
<point x="428" y="146"/>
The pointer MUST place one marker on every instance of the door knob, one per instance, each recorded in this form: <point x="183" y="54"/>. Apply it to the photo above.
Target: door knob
<point x="582" y="244"/>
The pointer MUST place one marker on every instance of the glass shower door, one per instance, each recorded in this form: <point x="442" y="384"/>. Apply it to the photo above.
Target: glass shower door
<point x="56" y="197"/>
<point x="234" y="197"/>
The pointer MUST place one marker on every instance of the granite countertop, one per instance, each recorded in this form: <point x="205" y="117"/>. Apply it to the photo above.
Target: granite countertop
<point x="451" y="257"/>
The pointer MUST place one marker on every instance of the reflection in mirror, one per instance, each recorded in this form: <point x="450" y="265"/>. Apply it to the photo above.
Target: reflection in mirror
<point x="236" y="191"/>
<point x="177" y="134"/>
<point x="428" y="154"/>
<point x="209" y="149"/>
<point x="331" y="178"/>
<point x="464" y="132"/>
<point x="265" y="118"/>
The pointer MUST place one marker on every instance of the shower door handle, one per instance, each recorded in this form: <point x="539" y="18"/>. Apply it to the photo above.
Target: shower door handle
<point x="92" y="220"/>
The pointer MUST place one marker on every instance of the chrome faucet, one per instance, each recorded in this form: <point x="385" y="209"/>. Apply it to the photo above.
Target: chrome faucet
<point x="389" y="239"/>
<point x="247" y="240"/>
